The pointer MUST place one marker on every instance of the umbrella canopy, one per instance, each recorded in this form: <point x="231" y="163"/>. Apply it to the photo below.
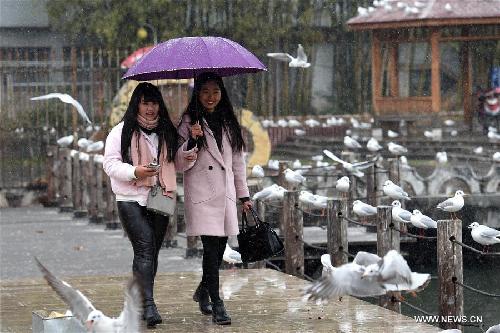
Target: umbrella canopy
<point x="183" y="58"/>
<point x="134" y="57"/>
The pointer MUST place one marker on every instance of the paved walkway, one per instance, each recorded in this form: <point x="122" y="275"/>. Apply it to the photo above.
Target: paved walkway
<point x="71" y="247"/>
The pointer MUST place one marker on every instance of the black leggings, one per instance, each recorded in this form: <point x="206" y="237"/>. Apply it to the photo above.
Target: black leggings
<point x="213" y="250"/>
<point x="146" y="231"/>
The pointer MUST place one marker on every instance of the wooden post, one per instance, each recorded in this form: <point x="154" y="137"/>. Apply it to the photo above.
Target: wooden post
<point x="387" y="239"/>
<point x="192" y="248"/>
<point x="51" y="179"/>
<point x="78" y="188"/>
<point x="91" y="186"/>
<point x="294" y="234"/>
<point x="283" y="165"/>
<point x="337" y="232"/>
<point x="99" y="191"/>
<point x="371" y="185"/>
<point x="66" y="201"/>
<point x="352" y="194"/>
<point x="450" y="269"/>
<point x="111" y="212"/>
<point x="171" y="233"/>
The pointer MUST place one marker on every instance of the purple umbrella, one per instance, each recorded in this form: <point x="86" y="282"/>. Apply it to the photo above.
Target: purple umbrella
<point x="183" y="58"/>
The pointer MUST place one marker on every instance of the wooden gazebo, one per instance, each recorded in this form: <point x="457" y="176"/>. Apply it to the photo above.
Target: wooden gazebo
<point x="428" y="22"/>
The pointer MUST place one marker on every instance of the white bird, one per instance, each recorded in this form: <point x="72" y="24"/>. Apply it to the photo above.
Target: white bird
<point x="496" y="156"/>
<point x="362" y="11"/>
<point x="399" y="214"/>
<point x="95" y="147"/>
<point x="293" y="177"/>
<point x="394" y="191"/>
<point x="483" y="234"/>
<point x="84" y="143"/>
<point x="454" y="133"/>
<point x="449" y="122"/>
<point x="493" y="329"/>
<point x="351" y="143"/>
<point x="367" y="275"/>
<point x="422" y="221"/>
<point x="327" y="265"/>
<point x="431" y="135"/>
<point x="89" y="316"/>
<point x="317" y="201"/>
<point x="273" y="164"/>
<point x="343" y="184"/>
<point x="66" y="99"/>
<point x="294" y="123"/>
<point x="258" y="171"/>
<point x="373" y="145"/>
<point x="312" y="122"/>
<point x="299" y="132"/>
<point x="231" y="256"/>
<point x="65" y="141"/>
<point x="84" y="156"/>
<point x="448" y="7"/>
<point x="353" y="168"/>
<point x="98" y="158"/>
<point x="396" y="149"/>
<point x="282" y="123"/>
<point x="453" y="204"/>
<point x="392" y="134"/>
<point x="320" y="201"/>
<point x="273" y="192"/>
<point x="493" y="136"/>
<point x="478" y="150"/>
<point x="362" y="209"/>
<point x="441" y="157"/>
<point x="317" y="158"/>
<point x="300" y="61"/>
<point x="296" y="164"/>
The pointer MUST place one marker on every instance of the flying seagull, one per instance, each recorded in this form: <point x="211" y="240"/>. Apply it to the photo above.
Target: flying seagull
<point x="300" y="61"/>
<point x="94" y="320"/>
<point x="354" y="168"/>
<point x="66" y="99"/>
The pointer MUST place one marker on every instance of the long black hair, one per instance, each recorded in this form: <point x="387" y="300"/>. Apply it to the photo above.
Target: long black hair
<point x="223" y="111"/>
<point x="166" y="130"/>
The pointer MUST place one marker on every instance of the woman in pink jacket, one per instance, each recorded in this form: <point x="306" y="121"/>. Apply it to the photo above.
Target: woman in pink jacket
<point x="146" y="135"/>
<point x="214" y="184"/>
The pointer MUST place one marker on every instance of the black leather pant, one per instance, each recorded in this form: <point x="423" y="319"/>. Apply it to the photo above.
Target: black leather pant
<point x="146" y="231"/>
<point x="213" y="250"/>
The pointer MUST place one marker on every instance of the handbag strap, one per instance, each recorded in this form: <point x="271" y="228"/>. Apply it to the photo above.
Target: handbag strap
<point x="244" y="218"/>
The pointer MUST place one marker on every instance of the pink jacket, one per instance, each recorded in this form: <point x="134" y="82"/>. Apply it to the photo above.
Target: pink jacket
<point x="121" y="174"/>
<point x="212" y="187"/>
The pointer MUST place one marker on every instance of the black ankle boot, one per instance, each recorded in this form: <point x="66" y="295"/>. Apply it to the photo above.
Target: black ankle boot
<point x="201" y="296"/>
<point x="219" y="314"/>
<point x="151" y="315"/>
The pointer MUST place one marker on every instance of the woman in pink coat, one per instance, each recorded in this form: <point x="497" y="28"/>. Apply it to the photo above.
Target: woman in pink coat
<point x="214" y="184"/>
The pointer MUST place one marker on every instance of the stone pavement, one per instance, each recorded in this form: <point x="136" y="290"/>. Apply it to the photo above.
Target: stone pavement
<point x="71" y="247"/>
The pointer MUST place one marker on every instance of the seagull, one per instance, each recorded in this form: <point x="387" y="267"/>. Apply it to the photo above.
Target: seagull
<point x="294" y="123"/>
<point x="448" y="7"/>
<point x="66" y="99"/>
<point x="312" y="122"/>
<point x="362" y="209"/>
<point x="484" y="235"/>
<point x="442" y="157"/>
<point x="273" y="192"/>
<point x="394" y="191"/>
<point x="300" y="61"/>
<point x="478" y="150"/>
<point x="454" y="133"/>
<point x="273" y="164"/>
<point x="296" y="164"/>
<point x="84" y="143"/>
<point x="95" y="147"/>
<point x="496" y="156"/>
<point x="88" y="315"/>
<point x="65" y="141"/>
<point x="98" y="158"/>
<point x="351" y="143"/>
<point x="367" y="275"/>
<point x="354" y="168"/>
<point x="449" y="122"/>
<point x="343" y="184"/>
<point x="317" y="158"/>
<point x="396" y="149"/>
<point x="493" y="329"/>
<point x="299" y="132"/>
<point x="399" y="214"/>
<point x="293" y="177"/>
<point x="373" y="145"/>
<point x="317" y="201"/>
<point x="392" y="134"/>
<point x="453" y="204"/>
<point x="327" y="265"/>
<point x="422" y="221"/>
<point x="258" y="171"/>
<point x="231" y="256"/>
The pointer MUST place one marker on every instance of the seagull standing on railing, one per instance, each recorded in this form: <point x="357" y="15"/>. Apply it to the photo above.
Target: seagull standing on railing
<point x="422" y="221"/>
<point x="396" y="149"/>
<point x="343" y="184"/>
<point x="362" y="209"/>
<point x="373" y="145"/>
<point x="65" y="141"/>
<point x="293" y="177"/>
<point x="258" y="171"/>
<point x="394" y="191"/>
<point x="484" y="235"/>
<point x="399" y="214"/>
<point x="351" y="143"/>
<point x="453" y="204"/>
<point x="66" y="99"/>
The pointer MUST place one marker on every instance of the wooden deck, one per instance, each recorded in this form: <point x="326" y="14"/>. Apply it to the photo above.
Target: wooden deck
<point x="260" y="300"/>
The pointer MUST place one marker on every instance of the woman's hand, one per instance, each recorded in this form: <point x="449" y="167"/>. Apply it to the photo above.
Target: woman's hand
<point x="191" y="156"/>
<point x="143" y="171"/>
<point x="247" y="205"/>
<point x="196" y="130"/>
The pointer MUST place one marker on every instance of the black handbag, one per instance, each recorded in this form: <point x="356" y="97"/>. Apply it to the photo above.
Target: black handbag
<point x="259" y="241"/>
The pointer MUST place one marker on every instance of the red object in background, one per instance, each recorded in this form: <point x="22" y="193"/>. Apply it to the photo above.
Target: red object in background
<point x="136" y="55"/>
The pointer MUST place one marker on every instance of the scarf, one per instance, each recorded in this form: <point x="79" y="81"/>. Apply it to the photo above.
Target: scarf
<point x="148" y="124"/>
<point x="141" y="155"/>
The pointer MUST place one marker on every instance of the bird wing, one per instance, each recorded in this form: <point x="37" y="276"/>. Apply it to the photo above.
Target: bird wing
<point x="48" y="96"/>
<point x="428" y="221"/>
<point x="418" y="283"/>
<point x="366" y="258"/>
<point x="78" y="303"/>
<point x="132" y="306"/>
<point x="364" y="164"/>
<point x="333" y="157"/>
<point x="280" y="56"/>
<point x="70" y="100"/>
<point x="446" y="203"/>
<point x="336" y="284"/>
<point x="394" y="269"/>
<point x="405" y="215"/>
<point x="301" y="55"/>
<point x="486" y="231"/>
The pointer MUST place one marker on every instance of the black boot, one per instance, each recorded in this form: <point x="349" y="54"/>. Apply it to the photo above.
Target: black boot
<point x="219" y="314"/>
<point x="151" y="314"/>
<point x="201" y="296"/>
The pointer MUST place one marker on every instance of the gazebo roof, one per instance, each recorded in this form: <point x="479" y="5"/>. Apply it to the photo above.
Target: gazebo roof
<point x="389" y="14"/>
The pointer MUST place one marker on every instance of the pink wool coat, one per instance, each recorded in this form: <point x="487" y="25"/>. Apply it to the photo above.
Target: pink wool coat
<point x="213" y="186"/>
